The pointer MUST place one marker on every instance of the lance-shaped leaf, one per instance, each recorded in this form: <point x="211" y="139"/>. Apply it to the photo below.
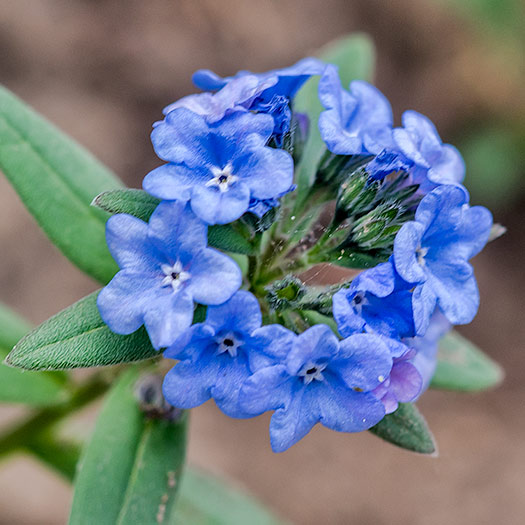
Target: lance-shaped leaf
<point x="462" y="366"/>
<point x="355" y="57"/>
<point x="406" y="428"/>
<point x="77" y="337"/>
<point x="56" y="180"/>
<point x="129" y="471"/>
<point x="32" y="389"/>
<point x="208" y="501"/>
<point x="139" y="204"/>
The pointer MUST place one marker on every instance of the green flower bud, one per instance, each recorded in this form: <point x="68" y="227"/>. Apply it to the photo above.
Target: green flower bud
<point x="285" y="293"/>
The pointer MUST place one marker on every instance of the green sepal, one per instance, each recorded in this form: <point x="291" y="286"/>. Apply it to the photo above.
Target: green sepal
<point x="56" y="180"/>
<point x="464" y="367"/>
<point x="77" y="337"/>
<point x="406" y="428"/>
<point x="140" y="204"/>
<point x="129" y="471"/>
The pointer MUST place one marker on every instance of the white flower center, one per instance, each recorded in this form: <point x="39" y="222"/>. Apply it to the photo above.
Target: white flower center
<point x="421" y="254"/>
<point x="311" y="371"/>
<point x="174" y="275"/>
<point x="228" y="343"/>
<point x="222" y="177"/>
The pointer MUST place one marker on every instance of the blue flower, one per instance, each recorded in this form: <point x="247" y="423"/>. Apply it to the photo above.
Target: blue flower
<point x="426" y="348"/>
<point x="403" y="384"/>
<point x="286" y="81"/>
<point x="164" y="266"/>
<point x="432" y="251"/>
<point x="356" y="122"/>
<point x="269" y="92"/>
<point x="218" y="167"/>
<point x="377" y="300"/>
<point x="321" y="380"/>
<point x="237" y="95"/>
<point x="433" y="161"/>
<point x="216" y="356"/>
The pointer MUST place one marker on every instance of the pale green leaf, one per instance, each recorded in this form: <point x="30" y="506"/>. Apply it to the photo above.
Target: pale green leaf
<point x="129" y="471"/>
<point x="462" y="366"/>
<point x="57" y="180"/>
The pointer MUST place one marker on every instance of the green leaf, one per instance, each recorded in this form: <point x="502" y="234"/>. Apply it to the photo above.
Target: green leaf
<point x="129" y="471"/>
<point x="139" y="204"/>
<point x="56" y="180"/>
<point x="36" y="390"/>
<point x="77" y="337"/>
<point x="132" y="201"/>
<point x="406" y="428"/>
<point x="209" y="501"/>
<point x="355" y="57"/>
<point x="462" y="366"/>
<point x="352" y="260"/>
<point x="226" y="238"/>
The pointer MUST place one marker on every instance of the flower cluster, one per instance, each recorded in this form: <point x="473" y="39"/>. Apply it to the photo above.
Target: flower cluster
<point x="402" y="216"/>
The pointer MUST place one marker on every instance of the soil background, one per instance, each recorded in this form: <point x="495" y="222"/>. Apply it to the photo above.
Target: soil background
<point x="103" y="70"/>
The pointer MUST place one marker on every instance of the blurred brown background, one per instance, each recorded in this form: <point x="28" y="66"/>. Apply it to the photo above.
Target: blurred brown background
<point x="103" y="70"/>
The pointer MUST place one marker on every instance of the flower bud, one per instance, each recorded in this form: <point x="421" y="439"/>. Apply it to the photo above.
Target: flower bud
<point x="285" y="293"/>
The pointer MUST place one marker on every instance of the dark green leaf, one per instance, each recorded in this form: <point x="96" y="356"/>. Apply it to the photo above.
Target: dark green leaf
<point x="353" y="260"/>
<point x="225" y="237"/>
<point x="129" y="472"/>
<point x="56" y="180"/>
<point x="32" y="389"/>
<point x="209" y="501"/>
<point x="139" y="204"/>
<point x="134" y="202"/>
<point x="406" y="428"/>
<point x="463" y="366"/>
<point x="355" y="57"/>
<point x="77" y="337"/>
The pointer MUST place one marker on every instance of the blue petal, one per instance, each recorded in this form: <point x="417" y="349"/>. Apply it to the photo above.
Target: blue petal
<point x="458" y="300"/>
<point x="271" y="344"/>
<point x="240" y="313"/>
<point x="266" y="171"/>
<point x="175" y="230"/>
<point x="167" y="317"/>
<point x="423" y="304"/>
<point x="174" y="181"/>
<point x="214" y="277"/>
<point x="289" y="425"/>
<point x="314" y="344"/>
<point x="225" y="391"/>
<point x="345" y="410"/>
<point x="128" y="243"/>
<point x="208" y="80"/>
<point x="188" y="385"/>
<point x="348" y="322"/>
<point x="123" y="301"/>
<point x="179" y="137"/>
<point x="216" y="207"/>
<point x="237" y="127"/>
<point x="450" y="169"/>
<point x="407" y="241"/>
<point x="364" y="361"/>
<point x="192" y="343"/>
<point x="269" y="388"/>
